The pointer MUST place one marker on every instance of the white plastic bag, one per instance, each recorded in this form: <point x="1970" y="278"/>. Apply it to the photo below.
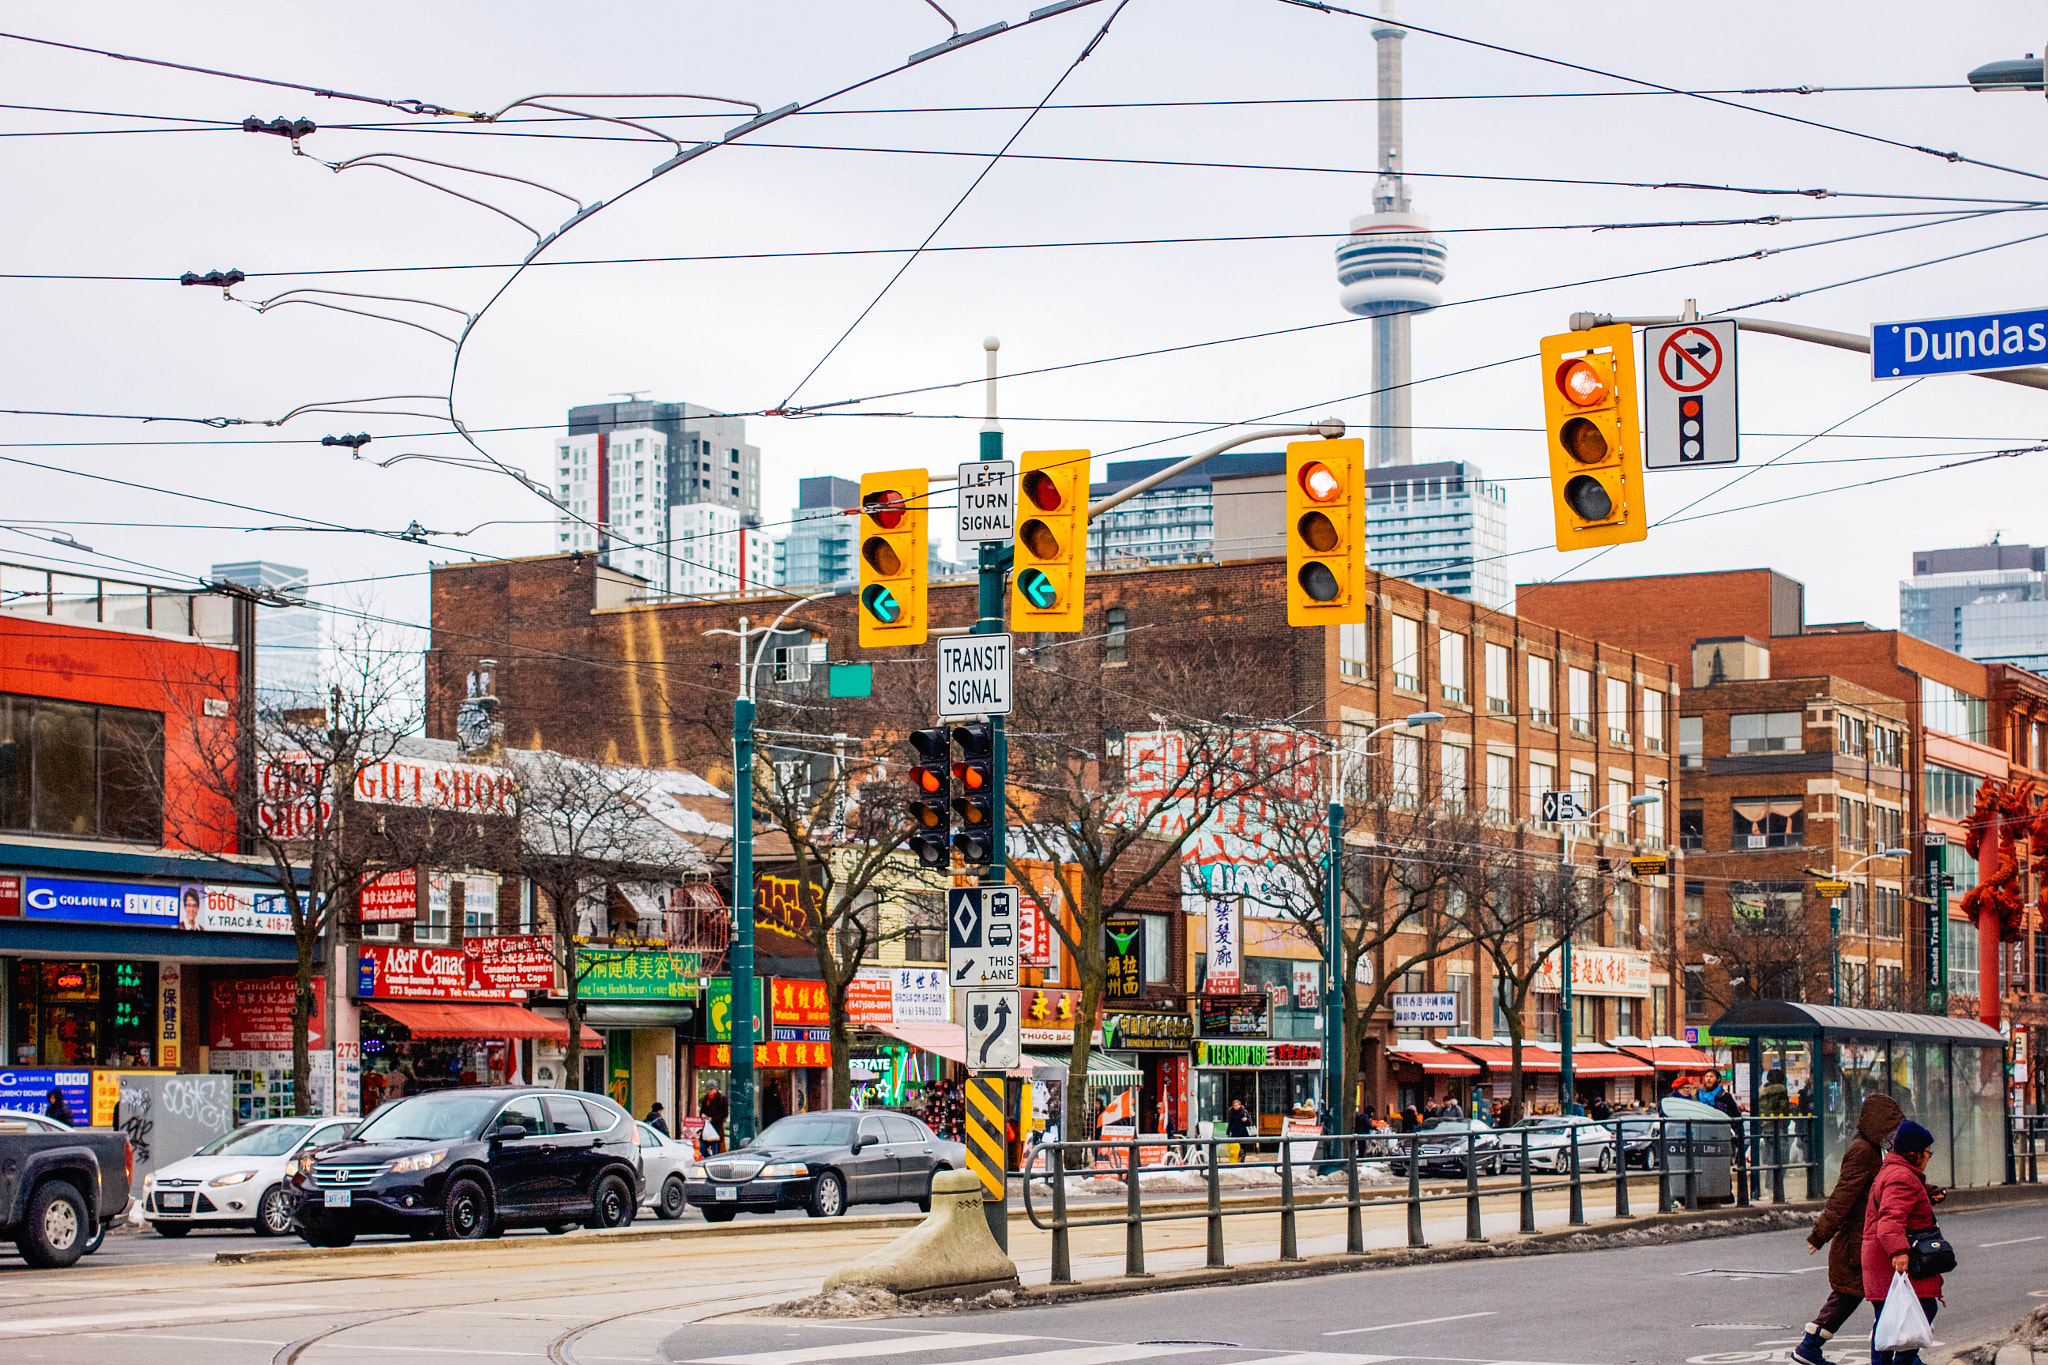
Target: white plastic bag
<point x="1901" y="1326"/>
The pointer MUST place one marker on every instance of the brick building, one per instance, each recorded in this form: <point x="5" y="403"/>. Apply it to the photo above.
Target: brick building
<point x="586" y="668"/>
<point x="1963" y="723"/>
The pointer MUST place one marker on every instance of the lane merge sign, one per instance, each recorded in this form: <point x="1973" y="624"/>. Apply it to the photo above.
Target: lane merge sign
<point x="988" y="501"/>
<point x="981" y="936"/>
<point x="1971" y="345"/>
<point x="993" y="1030"/>
<point x="974" y="675"/>
<point x="1689" y="420"/>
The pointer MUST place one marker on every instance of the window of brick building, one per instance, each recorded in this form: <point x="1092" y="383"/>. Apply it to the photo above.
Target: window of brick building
<point x="1617" y="711"/>
<point x="1692" y="825"/>
<point x="1692" y="742"/>
<point x="1769" y="822"/>
<point x="1454" y="759"/>
<point x="1500" y="785"/>
<point x="1542" y="699"/>
<point x="1407" y="650"/>
<point x="1579" y="698"/>
<point x="1653" y="720"/>
<point x="1354" y="650"/>
<point x="1450" y="666"/>
<point x="1497" y="682"/>
<point x="1767" y="732"/>
<point x="1542" y="778"/>
<point x="1115" y="636"/>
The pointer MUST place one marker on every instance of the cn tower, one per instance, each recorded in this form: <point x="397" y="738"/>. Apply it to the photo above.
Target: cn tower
<point x="1391" y="267"/>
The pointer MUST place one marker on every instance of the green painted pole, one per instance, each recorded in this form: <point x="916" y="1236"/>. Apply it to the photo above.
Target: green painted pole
<point x="740" y="1117"/>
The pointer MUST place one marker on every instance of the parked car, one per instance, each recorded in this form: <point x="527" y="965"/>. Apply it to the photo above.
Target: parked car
<point x="469" y="1164"/>
<point x="1447" y="1144"/>
<point x="59" y="1188"/>
<point x="240" y="1179"/>
<point x="1551" y="1139"/>
<point x="825" y="1162"/>
<point x="663" y="1163"/>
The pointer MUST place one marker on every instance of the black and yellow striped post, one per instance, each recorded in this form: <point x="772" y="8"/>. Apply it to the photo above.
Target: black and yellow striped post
<point x="986" y="1151"/>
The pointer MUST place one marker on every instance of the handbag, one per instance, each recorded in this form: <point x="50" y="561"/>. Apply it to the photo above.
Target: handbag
<point x="1928" y="1253"/>
<point x="1901" y="1324"/>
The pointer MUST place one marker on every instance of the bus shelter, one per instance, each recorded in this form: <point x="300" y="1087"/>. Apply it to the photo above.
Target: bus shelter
<point x="1947" y="1074"/>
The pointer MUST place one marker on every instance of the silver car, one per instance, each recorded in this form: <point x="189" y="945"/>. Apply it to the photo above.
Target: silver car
<point x="663" y="1162"/>
<point x="1550" y="1142"/>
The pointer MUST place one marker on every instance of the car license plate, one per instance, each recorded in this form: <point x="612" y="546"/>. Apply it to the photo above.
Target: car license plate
<point x="727" y="1192"/>
<point x="177" y="1203"/>
<point x="340" y="1199"/>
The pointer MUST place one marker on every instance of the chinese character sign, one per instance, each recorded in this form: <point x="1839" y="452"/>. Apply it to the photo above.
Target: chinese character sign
<point x="1124" y="958"/>
<point x="921" y="995"/>
<point x="615" y="975"/>
<point x="1598" y="971"/>
<point x="1226" y="963"/>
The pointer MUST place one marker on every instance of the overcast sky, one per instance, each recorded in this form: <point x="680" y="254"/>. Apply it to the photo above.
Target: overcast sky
<point x="138" y="195"/>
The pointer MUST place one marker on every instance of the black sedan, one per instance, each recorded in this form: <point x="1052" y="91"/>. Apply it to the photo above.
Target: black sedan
<point x="823" y="1162"/>
<point x="1444" y="1146"/>
<point x="468" y="1164"/>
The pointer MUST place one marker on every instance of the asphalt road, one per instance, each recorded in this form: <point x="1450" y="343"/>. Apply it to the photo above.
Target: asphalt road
<point x="583" y="1301"/>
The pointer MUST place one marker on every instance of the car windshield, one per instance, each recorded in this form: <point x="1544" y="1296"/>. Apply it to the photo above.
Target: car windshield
<point x="444" y="1117"/>
<point x="807" y="1130"/>
<point x="258" y="1139"/>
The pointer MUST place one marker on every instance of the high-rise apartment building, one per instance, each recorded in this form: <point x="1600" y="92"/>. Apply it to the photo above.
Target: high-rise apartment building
<point x="1985" y="602"/>
<point x="288" y="639"/>
<point x="818" y="548"/>
<point x="623" y="467"/>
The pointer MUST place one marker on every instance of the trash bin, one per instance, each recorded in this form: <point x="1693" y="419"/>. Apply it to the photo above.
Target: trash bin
<point x="1703" y="1143"/>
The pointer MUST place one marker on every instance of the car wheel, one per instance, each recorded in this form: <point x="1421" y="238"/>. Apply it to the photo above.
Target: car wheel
<point x="465" y="1212"/>
<point x="54" y="1234"/>
<point x="828" y="1196"/>
<point x="673" y="1198"/>
<point x="276" y="1211"/>
<point x="718" y="1215"/>
<point x="171" y="1229"/>
<point x="612" y="1204"/>
<point x="325" y="1234"/>
<point x="1606" y="1162"/>
<point x="99" y="1236"/>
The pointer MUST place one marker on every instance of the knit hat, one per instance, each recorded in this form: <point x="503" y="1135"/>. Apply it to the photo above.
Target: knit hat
<point x="1910" y="1138"/>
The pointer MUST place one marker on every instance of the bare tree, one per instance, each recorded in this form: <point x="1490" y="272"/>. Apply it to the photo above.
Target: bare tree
<point x="1771" y="944"/>
<point x="1407" y="864"/>
<point x="1115" y="803"/>
<point x="585" y="829"/>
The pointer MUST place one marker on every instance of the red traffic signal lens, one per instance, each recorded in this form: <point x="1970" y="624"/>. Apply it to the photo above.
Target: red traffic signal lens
<point x="1039" y="539"/>
<point x="884" y="507"/>
<point x="1042" y="491"/>
<point x="972" y="776"/>
<point x="1583" y="441"/>
<point x="1319" y="582"/>
<point x="1319" y="482"/>
<point x="1582" y="384"/>
<point x="930" y="781"/>
<point x="1318" y="532"/>
<point x="881" y="556"/>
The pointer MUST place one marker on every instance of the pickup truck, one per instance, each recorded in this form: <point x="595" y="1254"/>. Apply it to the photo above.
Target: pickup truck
<point x="59" y="1189"/>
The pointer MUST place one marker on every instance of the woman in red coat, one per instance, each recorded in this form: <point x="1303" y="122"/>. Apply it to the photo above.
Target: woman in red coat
<point x="1899" y="1204"/>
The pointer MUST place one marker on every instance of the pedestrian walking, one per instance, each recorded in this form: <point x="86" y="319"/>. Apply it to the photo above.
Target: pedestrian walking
<point x="1237" y="1126"/>
<point x="716" y="1107"/>
<point x="58" y="1109"/>
<point x="1901" y="1204"/>
<point x="1841" y="1222"/>
<point x="657" y="1120"/>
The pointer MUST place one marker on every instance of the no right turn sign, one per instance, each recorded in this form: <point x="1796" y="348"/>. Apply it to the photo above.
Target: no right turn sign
<point x="1689" y="395"/>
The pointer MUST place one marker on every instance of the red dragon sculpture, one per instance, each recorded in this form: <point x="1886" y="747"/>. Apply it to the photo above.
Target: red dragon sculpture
<point x="2012" y="805"/>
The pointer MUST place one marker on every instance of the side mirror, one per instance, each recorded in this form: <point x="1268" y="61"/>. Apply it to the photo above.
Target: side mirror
<point x="509" y="1132"/>
<point x="859" y="1141"/>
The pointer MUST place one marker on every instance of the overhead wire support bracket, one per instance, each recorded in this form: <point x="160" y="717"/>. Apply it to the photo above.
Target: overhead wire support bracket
<point x="957" y="40"/>
<point x="760" y="120"/>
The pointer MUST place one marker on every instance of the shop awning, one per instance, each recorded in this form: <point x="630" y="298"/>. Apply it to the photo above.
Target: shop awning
<point x="942" y="1040"/>
<point x="641" y="1015"/>
<point x="1432" y="1059"/>
<point x="1102" y="1070"/>
<point x="1498" y="1057"/>
<point x="1668" y="1054"/>
<point x="451" y="1019"/>
<point x="1600" y="1063"/>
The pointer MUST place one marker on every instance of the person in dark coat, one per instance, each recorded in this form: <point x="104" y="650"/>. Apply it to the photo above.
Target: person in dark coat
<point x="1901" y="1202"/>
<point x="716" y="1108"/>
<point x="58" y="1109"/>
<point x="1841" y="1222"/>
<point x="657" y="1120"/>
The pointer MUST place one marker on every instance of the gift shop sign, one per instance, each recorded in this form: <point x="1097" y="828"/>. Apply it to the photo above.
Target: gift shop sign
<point x="296" y="792"/>
<point x="497" y="968"/>
<point x="1598" y="971"/>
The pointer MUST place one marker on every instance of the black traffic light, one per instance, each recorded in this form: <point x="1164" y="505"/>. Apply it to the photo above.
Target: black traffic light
<point x="978" y="795"/>
<point x="931" y="778"/>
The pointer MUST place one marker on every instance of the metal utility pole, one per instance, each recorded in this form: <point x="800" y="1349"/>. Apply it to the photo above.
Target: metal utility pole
<point x="1567" y="1096"/>
<point x="994" y="562"/>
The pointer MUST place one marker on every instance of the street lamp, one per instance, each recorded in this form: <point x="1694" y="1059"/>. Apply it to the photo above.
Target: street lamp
<point x="1333" y="915"/>
<point x="2011" y="74"/>
<point x="1567" y="1096"/>
<point x="740" y="960"/>
<point x="1835" y="916"/>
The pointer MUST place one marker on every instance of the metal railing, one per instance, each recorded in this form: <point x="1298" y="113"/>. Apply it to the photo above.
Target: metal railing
<point x="2028" y="1135"/>
<point x="1744" y="1161"/>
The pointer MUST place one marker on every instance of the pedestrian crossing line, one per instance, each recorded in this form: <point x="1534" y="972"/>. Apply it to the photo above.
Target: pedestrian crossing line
<point x="1316" y="1358"/>
<point x="144" y="1316"/>
<point x="883" y="1346"/>
<point x="1110" y="1354"/>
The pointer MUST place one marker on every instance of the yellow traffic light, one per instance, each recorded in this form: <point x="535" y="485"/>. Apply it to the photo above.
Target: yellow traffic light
<point x="1326" y="532"/>
<point x="1049" y="577"/>
<point x="1596" y="450"/>
<point x="893" y="550"/>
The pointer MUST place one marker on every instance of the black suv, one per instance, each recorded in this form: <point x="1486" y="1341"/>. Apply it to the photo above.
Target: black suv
<point x="471" y="1163"/>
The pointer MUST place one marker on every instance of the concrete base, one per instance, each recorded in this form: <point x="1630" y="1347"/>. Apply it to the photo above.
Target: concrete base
<point x="950" y="1250"/>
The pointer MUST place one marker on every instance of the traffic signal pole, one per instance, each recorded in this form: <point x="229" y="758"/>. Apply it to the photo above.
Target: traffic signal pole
<point x="994" y="564"/>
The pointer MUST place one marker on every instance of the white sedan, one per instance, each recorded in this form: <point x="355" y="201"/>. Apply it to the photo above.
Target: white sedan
<point x="662" y="1162"/>
<point x="238" y="1179"/>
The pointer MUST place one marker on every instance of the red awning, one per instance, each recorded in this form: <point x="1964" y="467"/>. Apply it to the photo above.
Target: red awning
<point x="1433" y="1060"/>
<point x="1672" y="1057"/>
<point x="1501" y="1060"/>
<point x="454" y="1019"/>
<point x="1602" y="1063"/>
<point x="943" y="1040"/>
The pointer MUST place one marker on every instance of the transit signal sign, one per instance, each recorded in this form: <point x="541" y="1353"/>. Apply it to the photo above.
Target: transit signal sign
<point x="1689" y="407"/>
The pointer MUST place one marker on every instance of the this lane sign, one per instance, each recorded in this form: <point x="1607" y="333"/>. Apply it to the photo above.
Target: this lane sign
<point x="1689" y="418"/>
<point x="981" y="935"/>
<point x="1972" y="345"/>
<point x="988" y="501"/>
<point x="993" y="1036"/>
<point x="1563" y="807"/>
<point x="974" y="675"/>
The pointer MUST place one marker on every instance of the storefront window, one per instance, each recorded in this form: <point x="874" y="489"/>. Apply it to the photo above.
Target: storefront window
<point x="83" y="1014"/>
<point x="395" y="1063"/>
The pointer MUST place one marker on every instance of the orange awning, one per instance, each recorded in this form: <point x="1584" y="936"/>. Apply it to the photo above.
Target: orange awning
<point x="1432" y="1059"/>
<point x="1601" y="1063"/>
<point x="1501" y="1060"/>
<point x="1668" y="1057"/>
<point x="456" y="1019"/>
